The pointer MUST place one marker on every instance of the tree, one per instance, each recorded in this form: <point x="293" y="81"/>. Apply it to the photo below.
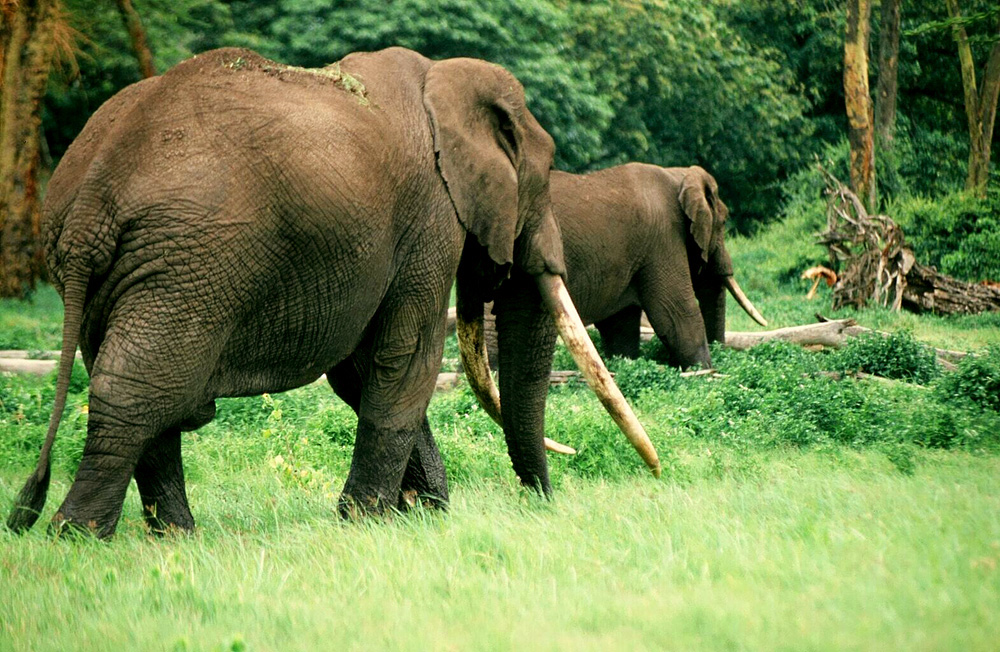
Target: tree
<point x="858" y="101"/>
<point x="28" y="42"/>
<point x="137" y="35"/>
<point x="980" y="105"/>
<point x="888" y="68"/>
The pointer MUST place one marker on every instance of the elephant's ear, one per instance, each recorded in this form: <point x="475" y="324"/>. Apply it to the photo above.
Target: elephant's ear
<point x="477" y="114"/>
<point x="699" y="197"/>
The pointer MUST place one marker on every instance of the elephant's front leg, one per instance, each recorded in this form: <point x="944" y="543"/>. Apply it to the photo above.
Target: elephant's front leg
<point x="159" y="475"/>
<point x="424" y="479"/>
<point x="620" y="333"/>
<point x="398" y="379"/>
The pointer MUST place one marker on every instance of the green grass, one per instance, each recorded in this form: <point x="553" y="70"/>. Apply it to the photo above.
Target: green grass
<point x="817" y="551"/>
<point x="796" y="512"/>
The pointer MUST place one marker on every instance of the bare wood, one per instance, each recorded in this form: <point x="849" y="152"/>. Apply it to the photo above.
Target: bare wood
<point x="858" y="102"/>
<point x="829" y="334"/>
<point x="22" y="354"/>
<point x="137" y="35"/>
<point x="36" y="367"/>
<point x="927" y="290"/>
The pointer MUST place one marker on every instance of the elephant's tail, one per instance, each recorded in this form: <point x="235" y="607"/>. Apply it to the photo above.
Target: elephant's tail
<point x="29" y="503"/>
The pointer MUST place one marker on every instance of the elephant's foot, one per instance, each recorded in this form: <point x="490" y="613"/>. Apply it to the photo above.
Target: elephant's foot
<point x="94" y="501"/>
<point x="380" y="459"/>
<point x="424" y="481"/>
<point x="160" y="478"/>
<point x="93" y="518"/>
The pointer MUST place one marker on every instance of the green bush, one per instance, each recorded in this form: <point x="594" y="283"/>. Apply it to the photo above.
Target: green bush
<point x="957" y="233"/>
<point x="634" y="377"/>
<point x="977" y="379"/>
<point x="897" y="355"/>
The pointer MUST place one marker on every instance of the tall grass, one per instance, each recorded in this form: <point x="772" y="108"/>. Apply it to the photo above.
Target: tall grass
<point x="797" y="511"/>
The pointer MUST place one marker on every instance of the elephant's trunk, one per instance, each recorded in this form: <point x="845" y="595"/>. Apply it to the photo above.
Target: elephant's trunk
<point x="476" y="362"/>
<point x="734" y="289"/>
<point x="574" y="334"/>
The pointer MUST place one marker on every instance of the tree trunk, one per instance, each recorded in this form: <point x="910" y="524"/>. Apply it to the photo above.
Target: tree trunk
<point x="858" y="101"/>
<point x="980" y="108"/>
<point x="27" y="37"/>
<point x="888" y="67"/>
<point x="136" y="34"/>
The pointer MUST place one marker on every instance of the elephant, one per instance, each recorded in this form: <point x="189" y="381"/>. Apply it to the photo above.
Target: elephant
<point x="239" y="226"/>
<point x="636" y="238"/>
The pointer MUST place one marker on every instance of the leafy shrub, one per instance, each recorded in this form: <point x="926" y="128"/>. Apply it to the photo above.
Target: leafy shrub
<point x="897" y="355"/>
<point x="977" y="379"/>
<point x="957" y="233"/>
<point x="634" y="377"/>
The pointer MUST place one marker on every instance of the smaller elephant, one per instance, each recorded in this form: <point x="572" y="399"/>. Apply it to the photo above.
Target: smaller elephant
<point x="640" y="237"/>
<point x="637" y="238"/>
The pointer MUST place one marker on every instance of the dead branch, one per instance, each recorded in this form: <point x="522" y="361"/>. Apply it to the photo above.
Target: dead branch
<point x="877" y="266"/>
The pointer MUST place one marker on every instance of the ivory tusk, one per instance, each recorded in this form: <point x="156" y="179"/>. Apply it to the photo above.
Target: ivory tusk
<point x="472" y="350"/>
<point x="476" y="362"/>
<point x="556" y="447"/>
<point x="574" y="334"/>
<point x="734" y="289"/>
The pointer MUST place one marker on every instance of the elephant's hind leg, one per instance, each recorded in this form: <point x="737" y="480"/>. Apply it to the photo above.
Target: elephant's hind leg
<point x="116" y="439"/>
<point x="620" y="333"/>
<point x="159" y="475"/>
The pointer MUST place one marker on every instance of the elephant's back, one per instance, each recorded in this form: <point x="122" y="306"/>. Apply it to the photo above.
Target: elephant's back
<point x="601" y="216"/>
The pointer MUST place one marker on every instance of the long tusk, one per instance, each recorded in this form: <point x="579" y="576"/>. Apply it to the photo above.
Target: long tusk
<point x="734" y="289"/>
<point x="472" y="349"/>
<point x="476" y="362"/>
<point x="573" y="333"/>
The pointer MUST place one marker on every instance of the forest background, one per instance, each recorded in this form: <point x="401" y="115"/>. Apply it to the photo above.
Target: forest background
<point x="751" y="90"/>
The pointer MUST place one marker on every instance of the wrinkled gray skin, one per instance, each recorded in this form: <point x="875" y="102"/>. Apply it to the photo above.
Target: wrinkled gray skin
<point x="641" y="237"/>
<point x="236" y="226"/>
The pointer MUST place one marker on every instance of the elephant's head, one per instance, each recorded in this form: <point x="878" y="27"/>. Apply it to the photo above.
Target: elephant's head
<point x="495" y="159"/>
<point x="711" y="266"/>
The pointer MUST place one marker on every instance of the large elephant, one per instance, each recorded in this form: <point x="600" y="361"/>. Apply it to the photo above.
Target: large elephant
<point x="239" y="226"/>
<point x="635" y="237"/>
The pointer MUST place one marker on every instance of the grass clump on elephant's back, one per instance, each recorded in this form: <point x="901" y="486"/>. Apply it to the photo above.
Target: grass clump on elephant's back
<point x="242" y="60"/>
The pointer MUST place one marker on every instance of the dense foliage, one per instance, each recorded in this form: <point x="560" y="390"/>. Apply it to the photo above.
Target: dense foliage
<point x="750" y="90"/>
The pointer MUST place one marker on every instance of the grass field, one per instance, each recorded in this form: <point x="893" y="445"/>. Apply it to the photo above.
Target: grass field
<point x="796" y="512"/>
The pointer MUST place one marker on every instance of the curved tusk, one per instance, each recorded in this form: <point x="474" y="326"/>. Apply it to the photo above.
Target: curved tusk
<point x="556" y="447"/>
<point x="476" y="362"/>
<point x="574" y="334"/>
<point x="472" y="350"/>
<point x="734" y="289"/>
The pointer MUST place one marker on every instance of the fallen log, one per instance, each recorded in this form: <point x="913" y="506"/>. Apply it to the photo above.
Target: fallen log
<point x="877" y="266"/>
<point x="927" y="290"/>
<point x="36" y="367"/>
